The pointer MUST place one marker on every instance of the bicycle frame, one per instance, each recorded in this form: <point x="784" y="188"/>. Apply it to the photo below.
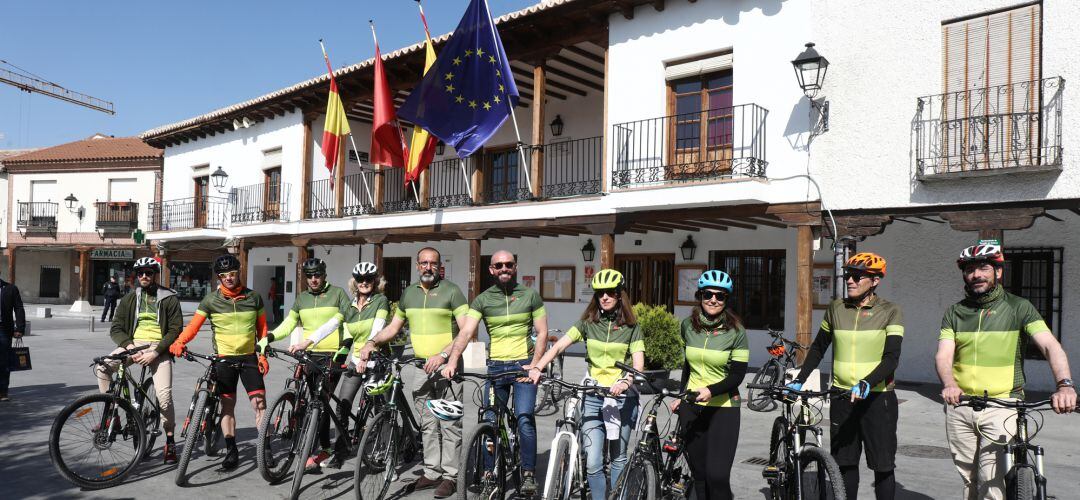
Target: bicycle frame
<point x="1016" y="454"/>
<point x="120" y="387"/>
<point x="570" y="428"/>
<point x="206" y="383"/>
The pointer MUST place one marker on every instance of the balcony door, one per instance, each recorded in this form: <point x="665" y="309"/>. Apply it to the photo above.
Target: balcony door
<point x="272" y="194"/>
<point x="503" y="168"/>
<point x="199" y="201"/>
<point x="650" y="277"/>
<point x="700" y="134"/>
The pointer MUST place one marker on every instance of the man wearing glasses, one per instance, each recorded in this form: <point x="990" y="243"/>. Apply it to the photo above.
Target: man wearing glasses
<point x="510" y="311"/>
<point x="322" y="310"/>
<point x="237" y="319"/>
<point x="150" y="316"/>
<point x="435" y="310"/>
<point x="866" y="332"/>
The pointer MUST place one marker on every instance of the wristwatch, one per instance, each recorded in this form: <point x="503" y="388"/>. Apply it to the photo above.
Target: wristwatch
<point x="1065" y="382"/>
<point x="444" y="355"/>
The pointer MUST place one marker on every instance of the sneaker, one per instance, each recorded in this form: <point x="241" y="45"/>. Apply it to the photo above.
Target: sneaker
<point x="315" y="461"/>
<point x="423" y="483"/>
<point x="528" y="484"/>
<point x="4" y="396"/>
<point x="231" y="460"/>
<point x="446" y="488"/>
<point x="169" y="454"/>
<point x="337" y="461"/>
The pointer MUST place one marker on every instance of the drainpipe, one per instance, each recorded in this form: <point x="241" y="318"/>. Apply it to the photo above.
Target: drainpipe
<point x="842" y="249"/>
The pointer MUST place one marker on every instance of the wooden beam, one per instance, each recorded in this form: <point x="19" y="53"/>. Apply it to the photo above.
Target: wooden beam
<point x="652" y="226"/>
<point x="557" y="73"/>
<point x="709" y="225"/>
<point x="761" y="221"/>
<point x="574" y="49"/>
<point x="675" y="225"/>
<point x="522" y="83"/>
<point x="733" y="223"/>
<point x="1052" y="217"/>
<point x="1005" y="218"/>
<point x="595" y="73"/>
<point x="566" y="88"/>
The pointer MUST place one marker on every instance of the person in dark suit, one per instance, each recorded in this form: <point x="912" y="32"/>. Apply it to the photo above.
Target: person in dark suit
<point x="12" y="326"/>
<point x="111" y="291"/>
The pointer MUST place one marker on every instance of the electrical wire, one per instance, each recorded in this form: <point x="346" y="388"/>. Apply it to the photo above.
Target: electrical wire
<point x="821" y="197"/>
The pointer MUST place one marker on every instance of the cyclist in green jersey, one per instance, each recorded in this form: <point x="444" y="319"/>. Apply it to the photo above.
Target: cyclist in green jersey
<point x="435" y="311"/>
<point x="510" y="311"/>
<point x="865" y="332"/>
<point x="237" y="320"/>
<point x="611" y="335"/>
<point x="322" y="310"/>
<point x="981" y="351"/>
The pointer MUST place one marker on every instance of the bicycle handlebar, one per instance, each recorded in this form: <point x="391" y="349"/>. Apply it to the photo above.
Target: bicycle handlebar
<point x="190" y="356"/>
<point x="599" y="390"/>
<point x="100" y="360"/>
<point x="484" y="376"/>
<point x="779" y="335"/>
<point x="982" y="402"/>
<point x="780" y="391"/>
<point x="683" y="395"/>
<point x="304" y="357"/>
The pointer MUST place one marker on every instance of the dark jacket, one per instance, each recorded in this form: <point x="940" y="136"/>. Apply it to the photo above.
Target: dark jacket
<point x="169" y="316"/>
<point x="111" y="290"/>
<point x="12" y="314"/>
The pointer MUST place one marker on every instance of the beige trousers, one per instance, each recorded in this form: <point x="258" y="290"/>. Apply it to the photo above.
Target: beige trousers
<point x="160" y="370"/>
<point x="973" y="440"/>
<point x="442" y="440"/>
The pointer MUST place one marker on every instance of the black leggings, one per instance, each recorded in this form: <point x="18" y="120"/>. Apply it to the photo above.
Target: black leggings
<point x="710" y="436"/>
<point x="324" y="419"/>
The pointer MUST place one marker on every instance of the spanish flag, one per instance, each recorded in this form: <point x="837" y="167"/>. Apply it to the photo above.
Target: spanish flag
<point x="422" y="146"/>
<point x="337" y="124"/>
<point x="387" y="140"/>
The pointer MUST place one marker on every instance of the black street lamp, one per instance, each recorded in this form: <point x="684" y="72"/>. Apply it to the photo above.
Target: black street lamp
<point x="219" y="178"/>
<point x="588" y="252"/>
<point x="810" y="68"/>
<point x="70" y="202"/>
<point x="689" y="248"/>
<point x="556" y="126"/>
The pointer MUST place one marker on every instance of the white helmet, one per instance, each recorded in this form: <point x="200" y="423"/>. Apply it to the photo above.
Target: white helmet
<point x="364" y="269"/>
<point x="146" y="262"/>
<point x="446" y="410"/>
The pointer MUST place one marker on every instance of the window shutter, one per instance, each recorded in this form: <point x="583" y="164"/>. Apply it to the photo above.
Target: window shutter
<point x="271" y="158"/>
<point x="698" y="67"/>
<point x="992" y="50"/>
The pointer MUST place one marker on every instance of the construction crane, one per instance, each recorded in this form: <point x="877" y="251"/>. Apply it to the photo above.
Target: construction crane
<point x="31" y="84"/>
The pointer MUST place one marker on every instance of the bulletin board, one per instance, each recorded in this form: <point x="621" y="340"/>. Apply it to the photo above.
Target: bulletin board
<point x="821" y="285"/>
<point x="686" y="278"/>
<point x="557" y="283"/>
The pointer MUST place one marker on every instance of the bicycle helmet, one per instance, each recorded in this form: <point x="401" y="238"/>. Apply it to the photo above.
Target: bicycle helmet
<point x="607" y="279"/>
<point x="715" y="279"/>
<point x="226" y="263"/>
<point x="378" y="385"/>
<point x="364" y="269"/>
<point x="981" y="253"/>
<point x="867" y="262"/>
<point x="314" y="266"/>
<point x="446" y="410"/>
<point x="148" y="262"/>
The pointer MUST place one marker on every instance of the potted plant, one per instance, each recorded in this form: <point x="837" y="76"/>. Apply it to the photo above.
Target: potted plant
<point x="663" y="343"/>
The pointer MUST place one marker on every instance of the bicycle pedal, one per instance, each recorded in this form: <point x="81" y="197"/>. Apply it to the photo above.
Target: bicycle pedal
<point x="770" y="472"/>
<point x="671" y="446"/>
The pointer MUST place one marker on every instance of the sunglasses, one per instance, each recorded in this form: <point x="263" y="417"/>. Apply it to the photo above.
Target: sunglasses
<point x="503" y="265"/>
<point x="610" y="292"/>
<point x="367" y="278"/>
<point x="857" y="277"/>
<point x="145" y="272"/>
<point x="230" y="274"/>
<point x="315" y="275"/>
<point x="710" y="294"/>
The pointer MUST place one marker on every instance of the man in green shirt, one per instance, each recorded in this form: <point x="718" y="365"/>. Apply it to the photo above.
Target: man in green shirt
<point x="510" y="311"/>
<point x="981" y="350"/>
<point x="435" y="311"/>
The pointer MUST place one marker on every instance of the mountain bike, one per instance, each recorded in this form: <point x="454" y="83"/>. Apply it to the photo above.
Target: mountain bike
<point x="1025" y="477"/>
<point x="566" y="473"/>
<point x="491" y="458"/>
<point x="96" y="441"/>
<point x="798" y="469"/>
<point x="550" y="396"/>
<point x="280" y="427"/>
<point x="774" y="371"/>
<point x="657" y="467"/>
<point x="203" y="422"/>
<point x="392" y="436"/>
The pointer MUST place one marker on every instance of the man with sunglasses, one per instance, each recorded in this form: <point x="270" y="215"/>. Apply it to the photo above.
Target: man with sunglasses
<point x="322" y="310"/>
<point x="150" y="316"/>
<point x="435" y="310"/>
<point x="865" y="331"/>
<point x="510" y="311"/>
<point x="237" y="319"/>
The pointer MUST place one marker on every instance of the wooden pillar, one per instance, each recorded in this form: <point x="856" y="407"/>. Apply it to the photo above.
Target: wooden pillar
<point x="992" y="234"/>
<point x="377" y="241"/>
<point x="424" y="188"/>
<point x="84" y="273"/>
<point x="242" y="256"/>
<point x="477" y="163"/>
<point x="339" y="181"/>
<point x="301" y="256"/>
<point x="379" y="188"/>
<point x="607" y="251"/>
<point x="475" y="269"/>
<point x="536" y="167"/>
<point x="605" y="170"/>
<point x="803" y="271"/>
<point x="305" y="171"/>
<point x="11" y="264"/>
<point x="166" y="273"/>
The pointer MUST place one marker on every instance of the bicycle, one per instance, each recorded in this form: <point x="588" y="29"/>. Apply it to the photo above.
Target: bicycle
<point x="566" y="463"/>
<point x="798" y="469"/>
<point x="117" y="428"/>
<point x="774" y="371"/>
<point x="491" y="454"/>
<point x="549" y="396"/>
<point x="392" y="436"/>
<point x="654" y="467"/>
<point x="202" y="413"/>
<point x="1023" y="462"/>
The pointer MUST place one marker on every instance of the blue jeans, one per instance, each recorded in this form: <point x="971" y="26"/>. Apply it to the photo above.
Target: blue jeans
<point x="592" y="427"/>
<point x="524" y="407"/>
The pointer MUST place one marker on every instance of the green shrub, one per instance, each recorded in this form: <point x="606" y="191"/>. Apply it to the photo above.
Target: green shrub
<point x="402" y="338"/>
<point x="663" y="340"/>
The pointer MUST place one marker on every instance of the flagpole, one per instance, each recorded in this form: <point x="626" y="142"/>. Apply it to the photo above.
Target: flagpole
<point x="397" y="123"/>
<point x="330" y="72"/>
<point x="509" y="105"/>
<point x="367" y="187"/>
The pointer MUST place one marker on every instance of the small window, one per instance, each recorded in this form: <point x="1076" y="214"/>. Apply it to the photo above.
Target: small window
<point x="759" y="284"/>
<point x="49" y="283"/>
<point x="1035" y="274"/>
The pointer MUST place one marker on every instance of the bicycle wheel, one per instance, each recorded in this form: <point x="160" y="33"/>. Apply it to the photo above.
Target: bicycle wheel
<point x="680" y="485"/>
<point x="560" y="479"/>
<point x="148" y="409"/>
<point x="278" y="433"/>
<point x="778" y="486"/>
<point x="307" y="444"/>
<point x="637" y="482"/>
<point x="96" y="441"/>
<point x="1020" y="483"/>
<point x="769" y="374"/>
<point x="212" y="432"/>
<point x="195" y="432"/>
<point x="376" y="457"/>
<point x="820" y="475"/>
<point x="480" y="469"/>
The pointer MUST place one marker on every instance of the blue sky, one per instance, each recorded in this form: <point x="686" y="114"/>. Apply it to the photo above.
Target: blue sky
<point x="161" y="62"/>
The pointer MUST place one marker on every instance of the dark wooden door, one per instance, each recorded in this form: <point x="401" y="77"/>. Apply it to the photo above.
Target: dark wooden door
<point x="650" y="277"/>
<point x="398" y="274"/>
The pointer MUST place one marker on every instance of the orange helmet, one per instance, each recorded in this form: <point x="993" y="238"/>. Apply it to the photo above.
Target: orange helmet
<point x="867" y="262"/>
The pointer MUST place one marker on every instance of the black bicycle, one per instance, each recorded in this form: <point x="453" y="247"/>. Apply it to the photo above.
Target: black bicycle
<point x="657" y="467"/>
<point x="96" y="441"/>
<point x="1023" y="461"/>
<point x="202" y="426"/>
<point x="782" y="354"/>
<point x="490" y="459"/>
<point x="550" y="396"/>
<point x="798" y="469"/>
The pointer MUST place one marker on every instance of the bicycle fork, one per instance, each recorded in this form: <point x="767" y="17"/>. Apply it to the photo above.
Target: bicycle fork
<point x="571" y="467"/>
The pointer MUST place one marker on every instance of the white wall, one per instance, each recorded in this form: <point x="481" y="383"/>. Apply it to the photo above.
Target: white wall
<point x="258" y="277"/>
<point x="87" y="187"/>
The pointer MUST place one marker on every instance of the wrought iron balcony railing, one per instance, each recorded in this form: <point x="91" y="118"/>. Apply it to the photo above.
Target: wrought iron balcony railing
<point x="189" y="213"/>
<point x="1014" y="126"/>
<point x="265" y="202"/>
<point x="713" y="144"/>
<point x="117" y="216"/>
<point x="37" y="215"/>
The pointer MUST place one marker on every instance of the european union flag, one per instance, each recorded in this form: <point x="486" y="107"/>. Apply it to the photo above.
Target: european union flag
<point x="467" y="95"/>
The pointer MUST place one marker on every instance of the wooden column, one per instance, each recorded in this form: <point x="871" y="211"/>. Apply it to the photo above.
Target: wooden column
<point x="477" y="163"/>
<point x="166" y="273"/>
<point x="84" y="273"/>
<point x="377" y="241"/>
<point x="803" y="271"/>
<point x="536" y="166"/>
<point x="11" y="263"/>
<point x="339" y="181"/>
<point x="301" y="255"/>
<point x="242" y="256"/>
<point x="379" y="188"/>
<point x="607" y="251"/>
<point x="475" y="269"/>
<point x="424" y="188"/>
<point x="305" y="171"/>
<point x="992" y="234"/>
<point x="605" y="170"/>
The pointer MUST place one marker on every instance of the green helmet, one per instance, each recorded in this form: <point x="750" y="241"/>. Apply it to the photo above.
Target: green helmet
<point x="607" y="279"/>
<point x="314" y="266"/>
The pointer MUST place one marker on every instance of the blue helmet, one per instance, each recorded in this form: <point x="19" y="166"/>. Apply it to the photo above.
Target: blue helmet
<point x="715" y="279"/>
